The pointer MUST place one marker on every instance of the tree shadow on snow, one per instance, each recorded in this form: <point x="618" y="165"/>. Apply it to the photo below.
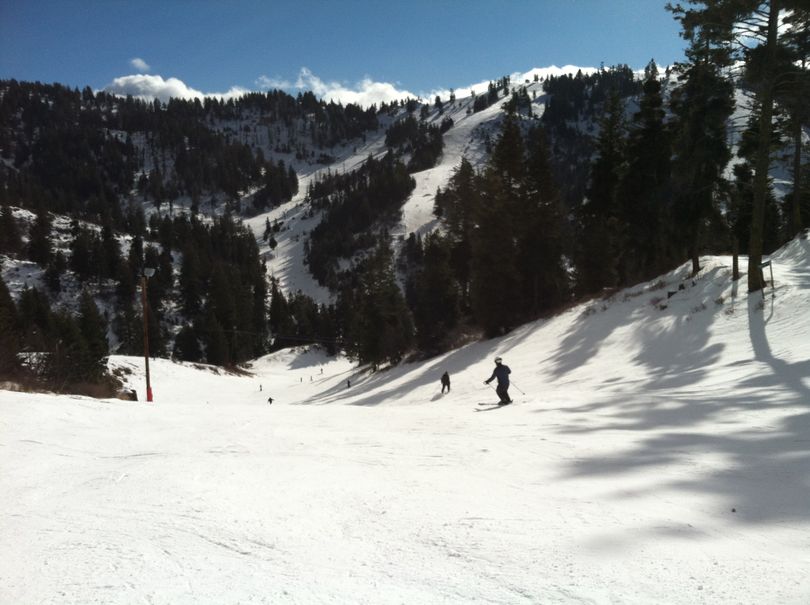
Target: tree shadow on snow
<point x="765" y="473"/>
<point x="373" y="388"/>
<point x="765" y="468"/>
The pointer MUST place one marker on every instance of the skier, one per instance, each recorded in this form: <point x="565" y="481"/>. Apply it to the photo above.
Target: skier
<point x="270" y="400"/>
<point x="501" y="372"/>
<point x="445" y="382"/>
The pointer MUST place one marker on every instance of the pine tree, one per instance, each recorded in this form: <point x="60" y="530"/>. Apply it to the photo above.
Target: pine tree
<point x="258" y="315"/>
<point x="187" y="346"/>
<point x="597" y="266"/>
<point x="111" y="252"/>
<point x="10" y="240"/>
<point x="155" y="334"/>
<point x="135" y="256"/>
<point x="508" y="156"/>
<point x="39" y="242"/>
<point x="191" y="282"/>
<point x="458" y="206"/>
<point x="382" y="329"/>
<point x="742" y="201"/>
<point x="125" y="284"/>
<point x="53" y="274"/>
<point x="435" y="295"/>
<point x="793" y="94"/>
<point x="644" y="194"/>
<point x="216" y="342"/>
<point x="702" y="104"/>
<point x="221" y="298"/>
<point x="93" y="328"/>
<point x="34" y="314"/>
<point x="495" y="281"/>
<point x="82" y="260"/>
<point x="766" y="17"/>
<point x="281" y="322"/>
<point x="129" y="329"/>
<point x="541" y="232"/>
<point x="717" y="25"/>
<point x="9" y="333"/>
<point x="66" y="362"/>
<point x="165" y="270"/>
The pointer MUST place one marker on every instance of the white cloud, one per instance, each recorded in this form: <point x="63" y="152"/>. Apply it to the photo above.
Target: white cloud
<point x="139" y="64"/>
<point x="516" y="79"/>
<point x="155" y="87"/>
<point x="366" y="92"/>
<point x="267" y="83"/>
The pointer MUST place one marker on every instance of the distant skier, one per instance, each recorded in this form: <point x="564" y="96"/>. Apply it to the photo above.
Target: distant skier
<point x="270" y="400"/>
<point x="501" y="372"/>
<point x="445" y="382"/>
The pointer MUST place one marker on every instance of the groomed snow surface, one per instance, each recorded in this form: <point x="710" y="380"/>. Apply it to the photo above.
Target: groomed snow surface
<point x="653" y="455"/>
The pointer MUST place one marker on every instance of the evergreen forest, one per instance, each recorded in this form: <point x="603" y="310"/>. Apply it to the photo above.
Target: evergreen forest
<point x="593" y="182"/>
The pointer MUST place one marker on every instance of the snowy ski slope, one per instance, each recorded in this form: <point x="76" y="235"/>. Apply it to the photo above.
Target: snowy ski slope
<point x="654" y="455"/>
<point x="464" y="139"/>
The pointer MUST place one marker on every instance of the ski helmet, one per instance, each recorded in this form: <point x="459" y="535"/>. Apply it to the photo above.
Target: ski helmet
<point x="498" y="360"/>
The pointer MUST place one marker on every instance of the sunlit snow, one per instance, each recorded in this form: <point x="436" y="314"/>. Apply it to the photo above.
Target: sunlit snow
<point x="658" y="452"/>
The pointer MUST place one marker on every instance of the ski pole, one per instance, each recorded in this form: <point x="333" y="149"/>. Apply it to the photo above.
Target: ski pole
<point x="518" y="388"/>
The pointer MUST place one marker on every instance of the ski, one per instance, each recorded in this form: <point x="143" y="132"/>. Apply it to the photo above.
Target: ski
<point x="485" y="407"/>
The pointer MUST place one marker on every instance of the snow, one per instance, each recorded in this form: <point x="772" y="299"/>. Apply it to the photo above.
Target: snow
<point x="285" y="263"/>
<point x="519" y="78"/>
<point x="657" y="452"/>
<point x="463" y="139"/>
<point x="459" y="141"/>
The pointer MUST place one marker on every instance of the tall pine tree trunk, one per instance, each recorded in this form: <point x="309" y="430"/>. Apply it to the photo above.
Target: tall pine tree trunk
<point x="735" y="258"/>
<point x="796" y="210"/>
<point x="694" y="250"/>
<point x="763" y="157"/>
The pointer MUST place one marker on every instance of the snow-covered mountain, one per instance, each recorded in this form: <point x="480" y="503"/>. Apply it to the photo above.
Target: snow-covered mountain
<point x="657" y="452"/>
<point x="217" y="158"/>
<point x="292" y="141"/>
<point x="466" y="138"/>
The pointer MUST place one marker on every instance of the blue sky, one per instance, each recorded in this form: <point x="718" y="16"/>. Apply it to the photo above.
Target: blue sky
<point x="418" y="46"/>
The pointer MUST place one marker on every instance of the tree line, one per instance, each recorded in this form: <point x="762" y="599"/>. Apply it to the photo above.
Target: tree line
<point x="207" y="300"/>
<point x="85" y="153"/>
<point x="656" y="191"/>
<point x="356" y="207"/>
<point x="555" y="214"/>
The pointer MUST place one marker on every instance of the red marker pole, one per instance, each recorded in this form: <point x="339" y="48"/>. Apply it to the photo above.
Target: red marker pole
<point x="147" y="273"/>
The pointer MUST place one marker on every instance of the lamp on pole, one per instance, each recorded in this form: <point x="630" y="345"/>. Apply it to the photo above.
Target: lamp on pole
<point x="147" y="273"/>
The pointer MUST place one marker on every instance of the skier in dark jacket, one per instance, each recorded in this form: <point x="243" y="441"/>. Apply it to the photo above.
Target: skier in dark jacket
<point x="501" y="372"/>
<point x="445" y="382"/>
